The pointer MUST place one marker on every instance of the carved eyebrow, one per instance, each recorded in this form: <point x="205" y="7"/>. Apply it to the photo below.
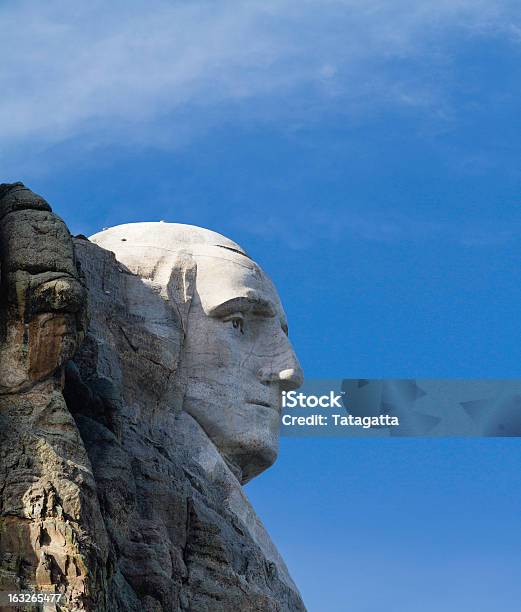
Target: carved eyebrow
<point x="253" y="303"/>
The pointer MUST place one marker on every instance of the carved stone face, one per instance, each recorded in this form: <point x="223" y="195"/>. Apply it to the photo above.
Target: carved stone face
<point x="236" y="356"/>
<point x="236" y="359"/>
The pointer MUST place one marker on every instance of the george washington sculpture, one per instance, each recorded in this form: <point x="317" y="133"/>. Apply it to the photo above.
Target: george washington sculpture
<point x="135" y="501"/>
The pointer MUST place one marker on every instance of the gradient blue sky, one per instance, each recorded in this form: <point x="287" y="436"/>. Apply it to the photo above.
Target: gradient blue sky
<point x="367" y="155"/>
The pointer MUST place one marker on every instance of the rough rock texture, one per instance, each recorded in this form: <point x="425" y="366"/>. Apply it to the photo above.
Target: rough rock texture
<point x="236" y="356"/>
<point x="52" y="536"/>
<point x="179" y="537"/>
<point x="114" y="497"/>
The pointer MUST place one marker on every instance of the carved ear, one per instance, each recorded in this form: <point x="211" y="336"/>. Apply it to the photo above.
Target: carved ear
<point x="180" y="286"/>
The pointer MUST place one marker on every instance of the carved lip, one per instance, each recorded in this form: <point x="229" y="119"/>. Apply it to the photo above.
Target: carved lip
<point x="262" y="403"/>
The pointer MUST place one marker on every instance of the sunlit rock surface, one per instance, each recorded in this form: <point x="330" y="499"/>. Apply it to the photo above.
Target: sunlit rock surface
<point x="121" y="498"/>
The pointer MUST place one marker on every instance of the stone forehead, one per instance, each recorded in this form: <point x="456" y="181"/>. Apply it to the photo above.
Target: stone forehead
<point x="141" y="246"/>
<point x="164" y="236"/>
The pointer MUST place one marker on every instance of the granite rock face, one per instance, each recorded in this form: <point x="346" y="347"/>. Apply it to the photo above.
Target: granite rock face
<point x="109" y="491"/>
<point x="52" y="534"/>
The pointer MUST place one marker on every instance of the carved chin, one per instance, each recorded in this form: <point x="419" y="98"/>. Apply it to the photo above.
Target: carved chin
<point x="251" y="456"/>
<point x="247" y="439"/>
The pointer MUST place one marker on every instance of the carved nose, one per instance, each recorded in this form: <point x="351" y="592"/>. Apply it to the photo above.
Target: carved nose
<point x="290" y="379"/>
<point x="287" y="378"/>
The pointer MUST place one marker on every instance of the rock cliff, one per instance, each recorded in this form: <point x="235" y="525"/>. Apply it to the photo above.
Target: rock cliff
<point x="52" y="534"/>
<point x="106" y="493"/>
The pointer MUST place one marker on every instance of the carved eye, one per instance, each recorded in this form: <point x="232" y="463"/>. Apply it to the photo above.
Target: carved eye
<point x="238" y="323"/>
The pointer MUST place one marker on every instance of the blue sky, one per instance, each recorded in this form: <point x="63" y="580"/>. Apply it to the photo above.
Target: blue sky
<point x="366" y="154"/>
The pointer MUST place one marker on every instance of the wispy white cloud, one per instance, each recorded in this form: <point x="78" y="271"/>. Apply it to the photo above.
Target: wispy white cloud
<point x="314" y="228"/>
<point x="107" y="71"/>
